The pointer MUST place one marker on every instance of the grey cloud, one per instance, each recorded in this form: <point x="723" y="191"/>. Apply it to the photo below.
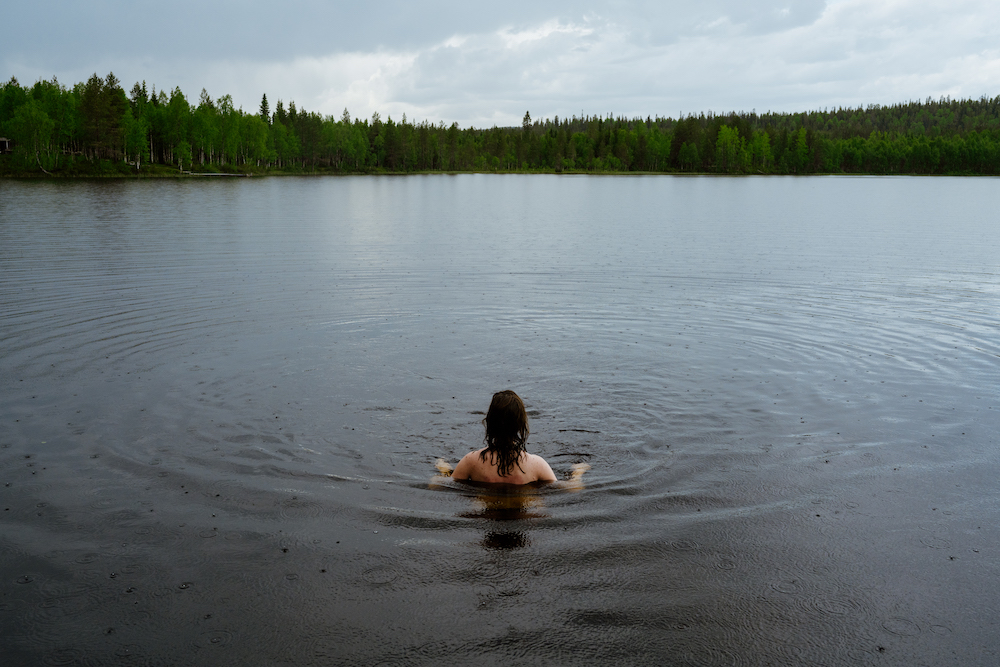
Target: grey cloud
<point x="52" y="31"/>
<point x="480" y="65"/>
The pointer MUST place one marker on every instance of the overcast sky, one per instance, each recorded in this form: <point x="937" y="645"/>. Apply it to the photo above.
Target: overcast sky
<point x="487" y="63"/>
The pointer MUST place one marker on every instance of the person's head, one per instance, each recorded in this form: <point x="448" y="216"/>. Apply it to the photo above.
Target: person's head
<point x="506" y="430"/>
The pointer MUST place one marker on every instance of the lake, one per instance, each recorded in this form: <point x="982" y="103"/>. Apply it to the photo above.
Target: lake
<point x="223" y="401"/>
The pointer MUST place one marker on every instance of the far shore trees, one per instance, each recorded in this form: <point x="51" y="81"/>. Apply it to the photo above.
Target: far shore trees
<point x="95" y="128"/>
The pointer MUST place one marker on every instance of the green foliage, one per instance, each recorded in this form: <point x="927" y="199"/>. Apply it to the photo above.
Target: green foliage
<point x="183" y="154"/>
<point x="32" y="129"/>
<point x="688" y="156"/>
<point x="135" y="135"/>
<point x="731" y="156"/>
<point x="94" y="128"/>
<point x="102" y="106"/>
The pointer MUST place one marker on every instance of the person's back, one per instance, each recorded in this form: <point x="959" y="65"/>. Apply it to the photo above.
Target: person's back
<point x="482" y="466"/>
<point x="504" y="460"/>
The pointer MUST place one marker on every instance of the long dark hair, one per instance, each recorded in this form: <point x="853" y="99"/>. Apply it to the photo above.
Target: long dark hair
<point x="506" y="431"/>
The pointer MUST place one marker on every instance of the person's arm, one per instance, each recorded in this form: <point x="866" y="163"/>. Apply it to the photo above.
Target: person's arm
<point x="575" y="481"/>
<point x="444" y="472"/>
<point x="442" y="467"/>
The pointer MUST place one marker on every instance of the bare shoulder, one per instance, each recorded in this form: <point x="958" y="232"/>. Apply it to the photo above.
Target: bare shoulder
<point x="466" y="466"/>
<point x="540" y="468"/>
<point x="473" y="455"/>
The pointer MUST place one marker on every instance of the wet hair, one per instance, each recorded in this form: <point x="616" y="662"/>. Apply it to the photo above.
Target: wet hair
<point x="506" y="431"/>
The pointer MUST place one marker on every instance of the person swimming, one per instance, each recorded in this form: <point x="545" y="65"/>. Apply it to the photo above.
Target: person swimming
<point x="504" y="459"/>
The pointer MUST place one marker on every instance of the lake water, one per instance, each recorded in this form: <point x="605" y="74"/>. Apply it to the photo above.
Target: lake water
<point x="222" y="402"/>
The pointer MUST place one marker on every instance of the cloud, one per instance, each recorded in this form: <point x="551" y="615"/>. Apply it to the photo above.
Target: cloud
<point x="360" y="81"/>
<point x="852" y="53"/>
<point x="514" y="39"/>
<point x="453" y="62"/>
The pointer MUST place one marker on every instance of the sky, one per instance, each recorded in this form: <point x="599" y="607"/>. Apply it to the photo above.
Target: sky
<point x="485" y="64"/>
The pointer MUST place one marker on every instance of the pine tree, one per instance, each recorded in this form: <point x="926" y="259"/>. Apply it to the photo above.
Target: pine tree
<point x="265" y="110"/>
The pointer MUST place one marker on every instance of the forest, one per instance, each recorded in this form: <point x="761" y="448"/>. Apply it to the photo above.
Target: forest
<point x="95" y="128"/>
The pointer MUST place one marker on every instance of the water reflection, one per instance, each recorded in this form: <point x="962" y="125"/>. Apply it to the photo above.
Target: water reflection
<point x="507" y="539"/>
<point x="507" y="505"/>
<point x="501" y="506"/>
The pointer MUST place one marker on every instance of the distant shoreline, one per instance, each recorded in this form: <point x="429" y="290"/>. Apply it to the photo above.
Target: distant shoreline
<point x="96" y="130"/>
<point x="56" y="176"/>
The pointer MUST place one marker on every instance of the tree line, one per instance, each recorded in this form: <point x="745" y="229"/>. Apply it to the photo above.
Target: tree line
<point x="96" y="128"/>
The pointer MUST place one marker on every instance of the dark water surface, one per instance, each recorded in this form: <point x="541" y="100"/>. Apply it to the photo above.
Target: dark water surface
<point x="222" y="403"/>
